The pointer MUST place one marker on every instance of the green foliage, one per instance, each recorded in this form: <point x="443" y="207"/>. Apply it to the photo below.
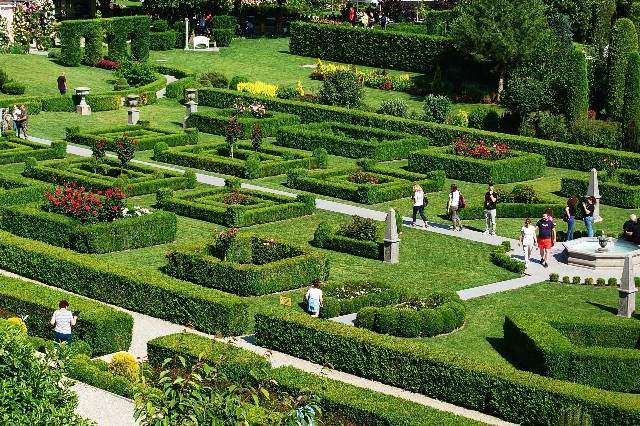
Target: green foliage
<point x="174" y="70"/>
<point x="124" y="364"/>
<point x="18" y="150"/>
<point x="13" y="88"/>
<point x="624" y="40"/>
<point x="500" y="257"/>
<point x="631" y="107"/>
<point x="524" y="95"/>
<point x="459" y="118"/>
<point x="176" y="89"/>
<point x="223" y="36"/>
<point x="341" y="88"/>
<point x="360" y="228"/>
<point x="553" y="277"/>
<point x="577" y="103"/>
<point x="612" y="282"/>
<point x="136" y="73"/>
<point x="436" y="108"/>
<point x="18" y="190"/>
<point x="596" y="133"/>
<point x="353" y="296"/>
<point x="618" y="194"/>
<point x="94" y="373"/>
<point x="147" y="137"/>
<point x="165" y="40"/>
<point x="214" y="120"/>
<point x="484" y="118"/>
<point x="233" y="84"/>
<point x="544" y="125"/>
<point x="214" y="79"/>
<point x="395" y="106"/>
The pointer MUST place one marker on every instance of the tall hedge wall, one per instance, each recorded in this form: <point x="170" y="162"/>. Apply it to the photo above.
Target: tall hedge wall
<point x="631" y="107"/>
<point x="577" y="105"/>
<point x="384" y="49"/>
<point x="624" y="40"/>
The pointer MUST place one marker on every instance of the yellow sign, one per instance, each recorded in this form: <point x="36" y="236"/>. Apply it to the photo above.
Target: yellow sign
<point x="286" y="301"/>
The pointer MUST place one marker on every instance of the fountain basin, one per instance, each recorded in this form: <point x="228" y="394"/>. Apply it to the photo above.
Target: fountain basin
<point x="586" y="252"/>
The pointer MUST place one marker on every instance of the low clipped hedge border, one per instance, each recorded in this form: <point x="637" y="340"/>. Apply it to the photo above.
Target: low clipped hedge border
<point x="19" y="190"/>
<point x="400" y="185"/>
<point x="513" y="210"/>
<point x="214" y="120"/>
<point x="351" y="141"/>
<point x="283" y="207"/>
<point x="142" y="291"/>
<point x="56" y="171"/>
<point x="325" y="237"/>
<point x="612" y="194"/>
<point x="557" y="154"/>
<point x="176" y="71"/>
<point x="194" y="262"/>
<point x="334" y="306"/>
<point x="508" y="393"/>
<point x="26" y="149"/>
<point x="202" y="157"/>
<point x="96" y="373"/>
<point x="145" y="142"/>
<point x="30" y="221"/>
<point x="105" y="329"/>
<point x="601" y="353"/>
<point x="520" y="167"/>
<point x="361" y="405"/>
<point x="500" y="257"/>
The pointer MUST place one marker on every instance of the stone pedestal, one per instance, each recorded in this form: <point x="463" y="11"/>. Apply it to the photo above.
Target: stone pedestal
<point x="391" y="239"/>
<point x="594" y="191"/>
<point x="186" y="33"/>
<point x="133" y="113"/>
<point x="191" y="105"/>
<point x="83" y="108"/>
<point x="627" y="290"/>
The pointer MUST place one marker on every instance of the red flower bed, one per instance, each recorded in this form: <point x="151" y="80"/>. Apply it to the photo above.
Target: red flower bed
<point x="108" y="64"/>
<point x="480" y="149"/>
<point x="86" y="206"/>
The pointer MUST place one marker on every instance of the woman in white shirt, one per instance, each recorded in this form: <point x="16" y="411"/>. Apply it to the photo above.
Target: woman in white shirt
<point x="314" y="299"/>
<point x="528" y="239"/>
<point x="452" y="207"/>
<point x="419" y="203"/>
<point x="63" y="320"/>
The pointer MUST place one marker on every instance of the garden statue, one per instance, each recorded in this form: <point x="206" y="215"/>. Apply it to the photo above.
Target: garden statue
<point x="594" y="192"/>
<point x="627" y="290"/>
<point x="133" y="113"/>
<point x="83" y="108"/>
<point x="391" y="239"/>
<point x="191" y="105"/>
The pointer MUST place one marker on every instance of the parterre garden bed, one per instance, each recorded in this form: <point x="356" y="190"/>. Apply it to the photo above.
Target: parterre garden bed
<point x="621" y="191"/>
<point x="214" y="120"/>
<point x="14" y="150"/>
<point x="145" y="136"/>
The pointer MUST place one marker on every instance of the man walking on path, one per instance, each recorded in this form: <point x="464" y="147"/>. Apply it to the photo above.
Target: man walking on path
<point x="546" y="238"/>
<point x="490" y="201"/>
<point x="62" y="84"/>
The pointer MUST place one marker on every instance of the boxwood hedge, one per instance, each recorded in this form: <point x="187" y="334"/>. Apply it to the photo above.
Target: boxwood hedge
<point x="376" y="294"/>
<point x="163" y="40"/>
<point x="143" y="291"/>
<point x="95" y="373"/>
<point x="214" y="120"/>
<point x="15" y="150"/>
<point x="513" y="210"/>
<point x="502" y="391"/>
<point x="19" y="190"/>
<point x="325" y="237"/>
<point x="30" y="221"/>
<point x="147" y="137"/>
<point x="105" y="329"/>
<point x="617" y="194"/>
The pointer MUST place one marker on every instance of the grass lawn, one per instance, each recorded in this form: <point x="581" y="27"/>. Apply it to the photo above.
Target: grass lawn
<point x="40" y="74"/>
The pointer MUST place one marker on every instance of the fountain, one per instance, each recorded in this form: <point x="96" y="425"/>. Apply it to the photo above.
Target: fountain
<point x="601" y="252"/>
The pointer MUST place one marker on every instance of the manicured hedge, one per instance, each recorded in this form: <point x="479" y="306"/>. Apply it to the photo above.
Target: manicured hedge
<point x="325" y="237"/>
<point x="295" y="268"/>
<point x="247" y="163"/>
<point x="214" y="120"/>
<point x="512" y="210"/>
<point x="498" y="390"/>
<point x="334" y="306"/>
<point x="557" y="154"/>
<point x="147" y="137"/>
<point x="140" y="290"/>
<point x="176" y="71"/>
<point x="15" y="150"/>
<point x="225" y="22"/>
<point x="30" y="221"/>
<point x="146" y="179"/>
<point x="223" y="36"/>
<point x="335" y="183"/>
<point x="207" y="205"/>
<point x="519" y="167"/>
<point x="164" y="40"/>
<point x="600" y="353"/>
<point x="176" y="89"/>
<point x="613" y="194"/>
<point x="351" y="141"/>
<point x="105" y="329"/>
<point x="500" y="257"/>
<point x="96" y="373"/>
<point x="383" y="49"/>
<point x="18" y="190"/>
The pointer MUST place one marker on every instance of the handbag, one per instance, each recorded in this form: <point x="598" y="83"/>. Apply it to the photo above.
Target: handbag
<point x="462" y="204"/>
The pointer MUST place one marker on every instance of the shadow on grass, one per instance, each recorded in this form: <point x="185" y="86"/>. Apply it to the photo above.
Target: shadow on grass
<point x="610" y="309"/>
<point x="499" y="344"/>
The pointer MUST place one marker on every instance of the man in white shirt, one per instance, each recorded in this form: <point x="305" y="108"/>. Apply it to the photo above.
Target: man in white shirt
<point x="63" y="320"/>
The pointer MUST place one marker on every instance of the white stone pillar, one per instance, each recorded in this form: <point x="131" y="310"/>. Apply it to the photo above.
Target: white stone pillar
<point x="391" y="239"/>
<point x="627" y="290"/>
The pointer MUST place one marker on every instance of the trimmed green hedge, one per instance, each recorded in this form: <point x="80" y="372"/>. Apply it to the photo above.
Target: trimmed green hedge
<point x="393" y="184"/>
<point x="512" y="210"/>
<point x="15" y="150"/>
<point x="613" y="194"/>
<point x="223" y="36"/>
<point x="176" y="71"/>
<point x="143" y="180"/>
<point x="30" y="221"/>
<point x="105" y="329"/>
<point x="325" y="237"/>
<point x="596" y="352"/>
<point x="384" y="294"/>
<point x="247" y="163"/>
<point x="500" y="257"/>
<point x="96" y="373"/>
<point x="208" y="205"/>
<point x="225" y="21"/>
<point x="519" y="167"/>
<point x="18" y="190"/>
<point x="383" y="49"/>
<point x="557" y="154"/>
<point x="143" y="291"/>
<point x="147" y="137"/>
<point x="176" y="89"/>
<point x="498" y="390"/>
<point x="352" y="141"/>
<point x="292" y="267"/>
<point x="214" y="120"/>
<point x="164" y="40"/>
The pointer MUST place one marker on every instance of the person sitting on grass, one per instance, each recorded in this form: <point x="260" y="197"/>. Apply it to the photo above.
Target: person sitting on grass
<point x="629" y="228"/>
<point x="314" y="299"/>
<point x="63" y="320"/>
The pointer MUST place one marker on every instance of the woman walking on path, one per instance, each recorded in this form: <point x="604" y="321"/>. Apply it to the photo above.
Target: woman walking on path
<point x="63" y="320"/>
<point x="453" y="205"/>
<point x="15" y="115"/>
<point x="588" y="207"/>
<point x="528" y="239"/>
<point x="314" y="299"/>
<point x="419" y="203"/>
<point x="570" y="217"/>
<point x="23" y="121"/>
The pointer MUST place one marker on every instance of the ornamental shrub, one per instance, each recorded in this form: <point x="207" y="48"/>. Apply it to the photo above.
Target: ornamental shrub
<point x="19" y="323"/>
<point x="624" y="40"/>
<point x="136" y="73"/>
<point x="436" y="108"/>
<point x="576" y="280"/>
<point x="341" y="88"/>
<point x="553" y="277"/>
<point x="395" y="106"/>
<point x="14" y="88"/>
<point x="588" y="281"/>
<point x="613" y="282"/>
<point x="601" y="282"/>
<point x="597" y="134"/>
<point x="484" y="118"/>
<point x="233" y="84"/>
<point x="577" y="102"/>
<point x="544" y="125"/>
<point x="566" y="280"/>
<point x="214" y="79"/>
<point x="125" y="365"/>
<point x="631" y="107"/>
<point x="322" y="157"/>
<point x="360" y="228"/>
<point x="459" y="118"/>
<point x="524" y="95"/>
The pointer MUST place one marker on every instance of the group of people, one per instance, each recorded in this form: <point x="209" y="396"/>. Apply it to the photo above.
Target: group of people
<point x="16" y="119"/>
<point x="366" y="19"/>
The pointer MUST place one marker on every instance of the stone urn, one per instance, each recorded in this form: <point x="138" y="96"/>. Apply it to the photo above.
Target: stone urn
<point x="83" y="108"/>
<point x="133" y="100"/>
<point x="603" y="241"/>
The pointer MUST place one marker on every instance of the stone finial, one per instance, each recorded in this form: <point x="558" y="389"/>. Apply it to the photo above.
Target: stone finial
<point x="627" y="290"/>
<point x="391" y="239"/>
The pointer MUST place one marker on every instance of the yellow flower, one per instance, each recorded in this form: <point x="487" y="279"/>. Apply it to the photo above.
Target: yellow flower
<point x="299" y="88"/>
<point x="258" y="88"/>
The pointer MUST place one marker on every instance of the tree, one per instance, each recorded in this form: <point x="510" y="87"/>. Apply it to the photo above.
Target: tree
<point x="624" y="41"/>
<point x="577" y="97"/>
<point x="631" y="110"/>
<point x="505" y="33"/>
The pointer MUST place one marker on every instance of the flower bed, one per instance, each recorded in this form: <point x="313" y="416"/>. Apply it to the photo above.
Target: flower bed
<point x="213" y="205"/>
<point x="246" y="163"/>
<point x="147" y="137"/>
<point x="246" y="265"/>
<point x="377" y="79"/>
<point x="622" y="191"/>
<point x="602" y="353"/>
<point x="351" y="296"/>
<point x="137" y="179"/>
<point x="19" y="190"/>
<point x="15" y="150"/>
<point x="214" y="120"/>
<point x="351" y="141"/>
<point x="438" y="313"/>
<point x="392" y="184"/>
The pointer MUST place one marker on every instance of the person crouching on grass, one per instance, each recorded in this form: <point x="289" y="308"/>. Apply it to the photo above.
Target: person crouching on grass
<point x="314" y="299"/>
<point x="546" y="238"/>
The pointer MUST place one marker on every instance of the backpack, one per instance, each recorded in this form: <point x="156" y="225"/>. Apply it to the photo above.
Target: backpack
<point x="462" y="204"/>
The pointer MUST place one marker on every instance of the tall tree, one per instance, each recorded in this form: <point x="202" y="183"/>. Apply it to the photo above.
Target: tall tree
<point x="624" y="41"/>
<point x="505" y="33"/>
<point x="631" y="109"/>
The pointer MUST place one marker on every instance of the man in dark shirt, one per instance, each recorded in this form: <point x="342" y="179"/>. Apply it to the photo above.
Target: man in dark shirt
<point x="546" y="238"/>
<point x="490" y="201"/>
<point x="636" y="233"/>
<point x="629" y="228"/>
<point x="62" y="84"/>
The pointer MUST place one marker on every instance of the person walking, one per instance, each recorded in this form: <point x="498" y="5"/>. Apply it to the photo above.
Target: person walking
<point x="23" y="121"/>
<point x="63" y="320"/>
<point x="570" y="217"/>
<point x="314" y="299"/>
<point x="351" y="15"/>
<point x="546" y="238"/>
<point x="384" y="20"/>
<point x="588" y="207"/>
<point x="528" y="239"/>
<point x="15" y="115"/>
<point x="62" y="84"/>
<point x="419" y="203"/>
<point x="453" y="205"/>
<point x="490" y="201"/>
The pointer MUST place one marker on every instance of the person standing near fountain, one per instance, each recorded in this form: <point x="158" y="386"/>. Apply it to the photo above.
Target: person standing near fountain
<point x="546" y="238"/>
<point x="629" y="229"/>
<point x="570" y="216"/>
<point x="588" y="207"/>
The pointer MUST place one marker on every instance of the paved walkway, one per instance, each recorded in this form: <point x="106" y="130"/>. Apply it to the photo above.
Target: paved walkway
<point x="104" y="408"/>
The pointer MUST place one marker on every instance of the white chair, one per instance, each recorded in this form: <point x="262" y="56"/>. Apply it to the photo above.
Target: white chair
<point x="199" y="41"/>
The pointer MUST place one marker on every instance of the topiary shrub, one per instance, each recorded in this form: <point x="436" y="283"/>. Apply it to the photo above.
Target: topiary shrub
<point x="396" y="107"/>
<point x="125" y="365"/>
<point x="136" y="73"/>
<point x="121" y="84"/>
<point x="484" y="118"/>
<point x="233" y="84"/>
<point x="624" y="40"/>
<point x="566" y="280"/>
<point x="553" y="277"/>
<point x="576" y="280"/>
<point x="601" y="282"/>
<point x="544" y="125"/>
<point x="613" y="282"/>
<point x="341" y="88"/>
<point x="588" y="281"/>
<point x="14" y="88"/>
<point x="436" y="108"/>
<point x="322" y="157"/>
<point x="215" y="79"/>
